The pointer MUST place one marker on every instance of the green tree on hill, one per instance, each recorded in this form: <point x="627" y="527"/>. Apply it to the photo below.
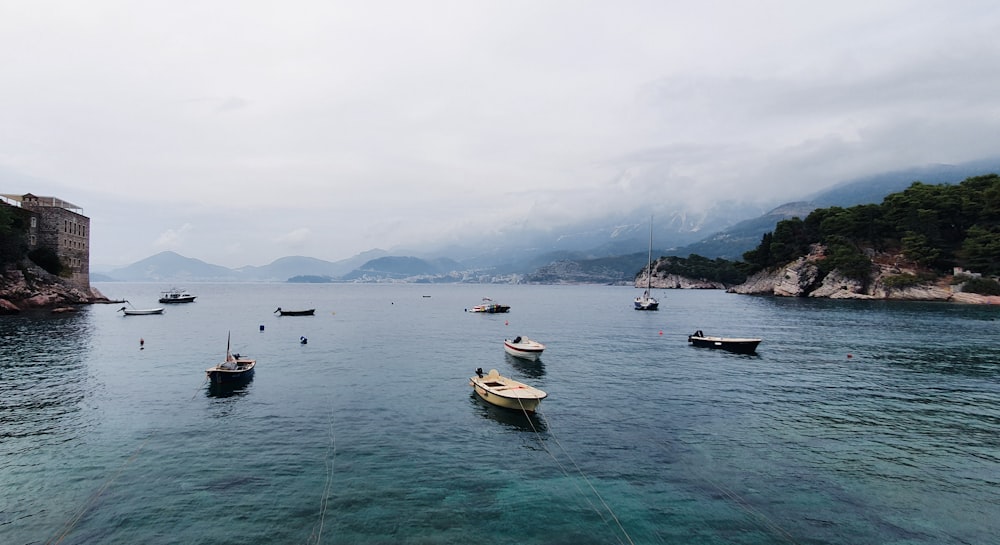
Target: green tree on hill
<point x="12" y="240"/>
<point x="938" y="226"/>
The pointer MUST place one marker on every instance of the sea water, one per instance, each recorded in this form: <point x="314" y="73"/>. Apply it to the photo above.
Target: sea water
<point x="856" y="422"/>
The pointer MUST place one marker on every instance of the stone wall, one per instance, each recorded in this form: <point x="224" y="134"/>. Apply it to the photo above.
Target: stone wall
<point x="68" y="233"/>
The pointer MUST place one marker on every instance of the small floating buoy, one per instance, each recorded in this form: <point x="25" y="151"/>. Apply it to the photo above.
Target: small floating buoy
<point x="849" y="356"/>
<point x="262" y="327"/>
<point x="506" y="322"/>
<point x="142" y="343"/>
<point x="303" y="340"/>
<point x="661" y="332"/>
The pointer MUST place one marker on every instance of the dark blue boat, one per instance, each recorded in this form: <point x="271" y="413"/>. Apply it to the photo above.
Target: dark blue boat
<point x="233" y="369"/>
<point x="738" y="345"/>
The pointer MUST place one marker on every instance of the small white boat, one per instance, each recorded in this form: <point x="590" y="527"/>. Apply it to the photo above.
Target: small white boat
<point x="233" y="369"/>
<point x="176" y="295"/>
<point x="523" y="347"/>
<point x="140" y="311"/>
<point x="506" y="392"/>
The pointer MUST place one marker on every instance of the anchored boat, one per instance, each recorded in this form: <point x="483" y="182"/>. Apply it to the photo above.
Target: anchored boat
<point x="506" y="392"/>
<point x="176" y="295"/>
<point x="140" y="311"/>
<point x="523" y="347"/>
<point x="732" y="344"/>
<point x="306" y="312"/>
<point x="233" y="369"/>
<point x="489" y="307"/>
<point x="646" y="301"/>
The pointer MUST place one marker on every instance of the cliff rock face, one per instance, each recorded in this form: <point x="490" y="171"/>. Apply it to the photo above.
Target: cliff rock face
<point x="27" y="286"/>
<point x="803" y="278"/>
<point x="673" y="281"/>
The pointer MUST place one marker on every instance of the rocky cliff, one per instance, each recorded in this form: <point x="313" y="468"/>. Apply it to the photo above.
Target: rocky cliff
<point x="26" y="286"/>
<point x="803" y="278"/>
<point x="674" y="281"/>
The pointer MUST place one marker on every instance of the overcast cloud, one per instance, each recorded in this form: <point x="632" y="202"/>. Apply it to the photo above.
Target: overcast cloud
<point x="238" y="132"/>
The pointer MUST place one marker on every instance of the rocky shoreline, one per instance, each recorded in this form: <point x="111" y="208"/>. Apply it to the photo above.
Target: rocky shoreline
<point x="677" y="282"/>
<point x="28" y="287"/>
<point x="803" y="278"/>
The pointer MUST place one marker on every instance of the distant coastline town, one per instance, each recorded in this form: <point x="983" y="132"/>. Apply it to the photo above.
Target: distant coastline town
<point x="918" y="244"/>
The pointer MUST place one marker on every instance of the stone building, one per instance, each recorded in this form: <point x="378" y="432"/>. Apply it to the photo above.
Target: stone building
<point x="59" y="225"/>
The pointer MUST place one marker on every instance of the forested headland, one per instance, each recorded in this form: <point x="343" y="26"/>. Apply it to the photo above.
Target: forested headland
<point x="922" y="234"/>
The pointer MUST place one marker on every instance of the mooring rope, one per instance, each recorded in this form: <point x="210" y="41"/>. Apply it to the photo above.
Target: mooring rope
<point x="579" y="470"/>
<point x="745" y="506"/>
<point x="331" y="454"/>
<point x="199" y="388"/>
<point x="68" y="526"/>
<point x="72" y="522"/>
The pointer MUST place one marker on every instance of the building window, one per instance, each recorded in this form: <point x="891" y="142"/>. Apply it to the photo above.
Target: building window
<point x="34" y="222"/>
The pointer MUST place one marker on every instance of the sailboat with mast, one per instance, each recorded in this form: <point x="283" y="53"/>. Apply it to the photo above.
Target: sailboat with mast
<point x="647" y="301"/>
<point x="233" y="369"/>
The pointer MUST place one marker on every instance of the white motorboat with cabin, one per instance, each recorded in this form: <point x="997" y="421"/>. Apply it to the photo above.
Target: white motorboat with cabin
<point x="176" y="295"/>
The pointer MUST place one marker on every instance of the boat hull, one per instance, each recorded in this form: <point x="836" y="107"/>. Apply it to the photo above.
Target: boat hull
<point x="740" y="346"/>
<point x="142" y="312"/>
<point x="182" y="299"/>
<point x="647" y="305"/>
<point x="308" y="312"/>
<point x="491" y="309"/>
<point x="518" y="404"/>
<point x="225" y="376"/>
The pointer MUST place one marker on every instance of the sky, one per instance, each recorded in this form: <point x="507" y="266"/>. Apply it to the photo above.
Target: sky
<point x="238" y="132"/>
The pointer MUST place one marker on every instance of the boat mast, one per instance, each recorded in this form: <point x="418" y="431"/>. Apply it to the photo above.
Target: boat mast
<point x="649" y="259"/>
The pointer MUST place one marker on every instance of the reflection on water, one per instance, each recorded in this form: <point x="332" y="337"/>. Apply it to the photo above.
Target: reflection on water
<point x="519" y="420"/>
<point x="530" y="369"/>
<point x="43" y="379"/>
<point x="230" y="389"/>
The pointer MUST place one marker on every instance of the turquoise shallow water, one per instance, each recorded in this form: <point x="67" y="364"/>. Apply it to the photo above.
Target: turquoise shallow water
<point x="857" y="422"/>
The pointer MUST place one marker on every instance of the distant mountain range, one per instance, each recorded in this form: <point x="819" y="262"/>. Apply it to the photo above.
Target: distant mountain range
<point x="610" y="251"/>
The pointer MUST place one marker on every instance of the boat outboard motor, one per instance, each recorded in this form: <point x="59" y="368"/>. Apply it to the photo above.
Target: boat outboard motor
<point x="479" y="372"/>
<point x="517" y="340"/>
